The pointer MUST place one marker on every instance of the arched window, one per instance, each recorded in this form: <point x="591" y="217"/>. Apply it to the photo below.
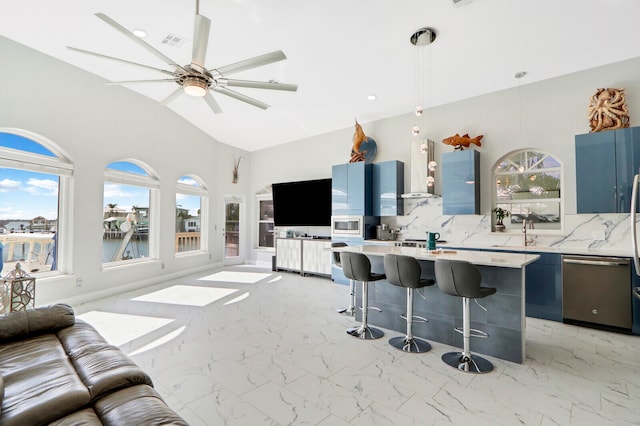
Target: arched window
<point x="191" y="202"/>
<point x="130" y="212"/>
<point x="35" y="175"/>
<point x="529" y="186"/>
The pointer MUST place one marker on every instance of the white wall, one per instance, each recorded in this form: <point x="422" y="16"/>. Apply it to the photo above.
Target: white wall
<point x="96" y="125"/>
<point x="545" y="115"/>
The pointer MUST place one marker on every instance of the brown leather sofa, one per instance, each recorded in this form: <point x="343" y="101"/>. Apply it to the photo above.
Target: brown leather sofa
<point x="56" y="369"/>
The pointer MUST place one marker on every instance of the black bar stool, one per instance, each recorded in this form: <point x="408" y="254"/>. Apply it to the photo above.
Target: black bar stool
<point x="351" y="310"/>
<point x="462" y="279"/>
<point x="404" y="271"/>
<point x="356" y="266"/>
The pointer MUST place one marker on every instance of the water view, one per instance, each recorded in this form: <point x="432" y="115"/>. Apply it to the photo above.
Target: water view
<point x="38" y="253"/>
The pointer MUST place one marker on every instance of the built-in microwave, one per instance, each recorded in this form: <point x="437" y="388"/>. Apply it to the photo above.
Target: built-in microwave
<point x="347" y="226"/>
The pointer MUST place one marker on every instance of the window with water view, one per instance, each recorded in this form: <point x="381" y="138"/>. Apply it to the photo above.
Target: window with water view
<point x="30" y="186"/>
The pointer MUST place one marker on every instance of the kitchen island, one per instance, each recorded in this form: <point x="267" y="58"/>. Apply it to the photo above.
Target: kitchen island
<point x="504" y="320"/>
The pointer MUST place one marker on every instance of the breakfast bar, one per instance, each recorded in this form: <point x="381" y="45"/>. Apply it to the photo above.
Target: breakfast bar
<point x="504" y="320"/>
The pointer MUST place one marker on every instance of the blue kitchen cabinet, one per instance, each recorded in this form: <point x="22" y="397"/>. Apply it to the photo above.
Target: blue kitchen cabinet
<point x="339" y="189"/>
<point x="388" y="186"/>
<point x="461" y="182"/>
<point x="544" y="287"/>
<point x="605" y="165"/>
<point x="351" y="189"/>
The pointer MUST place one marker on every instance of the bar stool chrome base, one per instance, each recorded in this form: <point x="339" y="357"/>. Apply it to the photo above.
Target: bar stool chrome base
<point x="468" y="364"/>
<point x="411" y="345"/>
<point x="357" y="267"/>
<point x="365" y="332"/>
<point x="351" y="310"/>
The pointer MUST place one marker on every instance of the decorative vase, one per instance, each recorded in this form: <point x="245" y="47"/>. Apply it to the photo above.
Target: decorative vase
<point x="499" y="227"/>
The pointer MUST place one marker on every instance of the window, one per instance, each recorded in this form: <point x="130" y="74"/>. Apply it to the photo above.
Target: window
<point x="265" y="221"/>
<point x="191" y="196"/>
<point x="130" y="210"/>
<point x="528" y="185"/>
<point x="34" y="181"/>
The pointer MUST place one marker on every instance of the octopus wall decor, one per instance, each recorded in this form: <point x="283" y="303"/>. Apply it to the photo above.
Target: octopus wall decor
<point x="608" y="110"/>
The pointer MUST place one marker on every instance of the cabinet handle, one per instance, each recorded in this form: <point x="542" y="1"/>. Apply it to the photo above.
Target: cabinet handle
<point x="595" y="262"/>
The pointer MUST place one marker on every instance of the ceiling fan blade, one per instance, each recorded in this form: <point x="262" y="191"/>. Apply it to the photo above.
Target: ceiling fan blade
<point x="200" y="41"/>
<point x="225" y="82"/>
<point x="100" y="55"/>
<point x="172" y="96"/>
<point x="164" y="80"/>
<point x="258" y="61"/>
<point x="241" y="97"/>
<point x="212" y="103"/>
<point x="139" y="41"/>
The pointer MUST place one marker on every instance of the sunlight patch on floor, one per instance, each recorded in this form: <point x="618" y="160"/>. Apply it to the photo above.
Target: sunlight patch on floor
<point x="186" y="295"/>
<point x="236" y="277"/>
<point x="159" y="342"/>
<point x="118" y="329"/>
<point x="237" y="299"/>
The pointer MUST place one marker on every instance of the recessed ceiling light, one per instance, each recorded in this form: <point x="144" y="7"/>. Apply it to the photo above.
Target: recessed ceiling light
<point x="139" y="33"/>
<point x="372" y="97"/>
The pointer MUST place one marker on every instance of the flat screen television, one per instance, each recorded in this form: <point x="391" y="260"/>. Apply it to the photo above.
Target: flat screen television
<point x="303" y="203"/>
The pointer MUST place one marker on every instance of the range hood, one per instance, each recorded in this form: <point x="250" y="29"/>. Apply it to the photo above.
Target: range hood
<point x="422" y="153"/>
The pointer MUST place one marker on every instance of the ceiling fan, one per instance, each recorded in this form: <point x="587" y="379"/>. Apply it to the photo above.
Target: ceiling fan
<point x="195" y="79"/>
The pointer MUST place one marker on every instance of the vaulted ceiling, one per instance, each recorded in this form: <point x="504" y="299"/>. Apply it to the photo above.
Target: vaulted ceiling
<point x="339" y="52"/>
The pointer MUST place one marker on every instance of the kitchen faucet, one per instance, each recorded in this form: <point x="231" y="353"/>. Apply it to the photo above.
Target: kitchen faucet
<point x="527" y="241"/>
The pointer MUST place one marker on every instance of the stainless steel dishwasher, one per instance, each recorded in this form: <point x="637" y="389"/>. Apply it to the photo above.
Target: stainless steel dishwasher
<point x="596" y="290"/>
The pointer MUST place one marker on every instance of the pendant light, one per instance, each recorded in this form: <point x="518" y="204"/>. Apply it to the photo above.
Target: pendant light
<point x="420" y="39"/>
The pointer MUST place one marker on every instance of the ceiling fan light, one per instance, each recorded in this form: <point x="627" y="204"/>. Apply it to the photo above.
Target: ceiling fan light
<point x="195" y="87"/>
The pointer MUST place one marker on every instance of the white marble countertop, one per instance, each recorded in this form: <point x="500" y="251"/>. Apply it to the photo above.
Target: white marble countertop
<point x="537" y="247"/>
<point x="486" y="258"/>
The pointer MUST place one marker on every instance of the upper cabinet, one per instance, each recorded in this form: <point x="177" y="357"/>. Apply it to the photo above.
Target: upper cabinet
<point x="388" y="186"/>
<point x="461" y="182"/>
<point x="605" y="165"/>
<point x="351" y="189"/>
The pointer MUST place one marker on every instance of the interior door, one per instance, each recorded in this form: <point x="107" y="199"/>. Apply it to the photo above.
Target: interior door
<point x="234" y="250"/>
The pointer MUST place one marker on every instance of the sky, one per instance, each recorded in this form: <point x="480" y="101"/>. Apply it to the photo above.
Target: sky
<point x="25" y="194"/>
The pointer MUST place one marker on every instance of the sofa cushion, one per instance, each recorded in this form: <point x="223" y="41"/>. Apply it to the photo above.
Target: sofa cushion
<point x="136" y="405"/>
<point x="86" y="417"/>
<point x="41" y="393"/>
<point x="80" y="337"/>
<point x="23" y="354"/>
<point x="102" y="367"/>
<point x="21" y="324"/>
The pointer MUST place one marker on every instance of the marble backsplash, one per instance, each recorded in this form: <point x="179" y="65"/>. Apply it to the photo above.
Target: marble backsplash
<point x="598" y="233"/>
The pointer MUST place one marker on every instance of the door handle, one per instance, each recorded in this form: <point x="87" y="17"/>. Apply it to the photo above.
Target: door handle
<point x="594" y="262"/>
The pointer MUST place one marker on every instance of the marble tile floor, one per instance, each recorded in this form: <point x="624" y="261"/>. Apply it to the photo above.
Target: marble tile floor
<point x="246" y="346"/>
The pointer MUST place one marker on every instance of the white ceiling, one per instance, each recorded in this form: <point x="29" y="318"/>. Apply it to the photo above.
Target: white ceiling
<point x="339" y="51"/>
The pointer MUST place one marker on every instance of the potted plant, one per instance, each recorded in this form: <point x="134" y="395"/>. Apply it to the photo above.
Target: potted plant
<point x="500" y="215"/>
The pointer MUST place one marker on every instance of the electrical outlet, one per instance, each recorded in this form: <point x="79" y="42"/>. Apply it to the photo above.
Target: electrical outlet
<point x="78" y="282"/>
